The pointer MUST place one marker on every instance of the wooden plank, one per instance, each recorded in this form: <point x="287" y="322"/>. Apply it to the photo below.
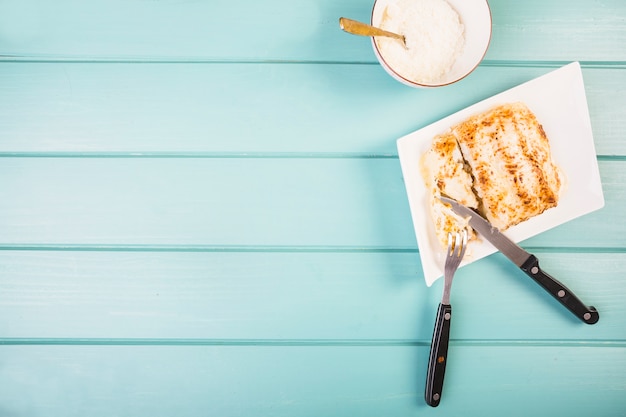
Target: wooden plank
<point x="332" y="202"/>
<point x="270" y="295"/>
<point x="282" y="30"/>
<point x="287" y="381"/>
<point x="194" y="223"/>
<point x="305" y="109"/>
<point x="558" y="30"/>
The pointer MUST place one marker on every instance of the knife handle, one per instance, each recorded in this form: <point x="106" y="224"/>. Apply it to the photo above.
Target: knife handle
<point x="559" y="291"/>
<point x="438" y="355"/>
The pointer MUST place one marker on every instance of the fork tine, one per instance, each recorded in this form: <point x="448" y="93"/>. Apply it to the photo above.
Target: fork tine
<point x="457" y="243"/>
<point x="461" y="240"/>
<point x="451" y="243"/>
<point x="458" y="247"/>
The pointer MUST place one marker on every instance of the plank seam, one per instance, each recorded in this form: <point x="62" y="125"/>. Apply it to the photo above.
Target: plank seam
<point x="77" y="247"/>
<point x="227" y="155"/>
<point x="15" y="58"/>
<point x="612" y="343"/>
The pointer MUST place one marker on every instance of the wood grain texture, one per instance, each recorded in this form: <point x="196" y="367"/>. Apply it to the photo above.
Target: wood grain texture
<point x="323" y="296"/>
<point x="285" y="31"/>
<point x="330" y="202"/>
<point x="202" y="213"/>
<point x="303" y="109"/>
<point x="287" y="381"/>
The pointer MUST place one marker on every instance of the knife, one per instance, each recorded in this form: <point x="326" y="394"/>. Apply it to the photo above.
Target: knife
<point x="526" y="261"/>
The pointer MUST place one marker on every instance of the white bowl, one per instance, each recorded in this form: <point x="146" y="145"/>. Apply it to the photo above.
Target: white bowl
<point x="475" y="16"/>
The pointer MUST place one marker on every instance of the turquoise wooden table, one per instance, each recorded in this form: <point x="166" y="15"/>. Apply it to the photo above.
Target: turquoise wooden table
<point x="202" y="213"/>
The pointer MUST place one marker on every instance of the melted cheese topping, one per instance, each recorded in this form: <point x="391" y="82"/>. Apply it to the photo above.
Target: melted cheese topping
<point x="502" y="159"/>
<point x="445" y="172"/>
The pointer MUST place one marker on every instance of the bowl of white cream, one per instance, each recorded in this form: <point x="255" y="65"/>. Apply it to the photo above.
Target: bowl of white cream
<point x="445" y="40"/>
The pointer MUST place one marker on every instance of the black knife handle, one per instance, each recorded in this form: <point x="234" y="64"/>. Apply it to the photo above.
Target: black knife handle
<point x="438" y="355"/>
<point x="559" y="291"/>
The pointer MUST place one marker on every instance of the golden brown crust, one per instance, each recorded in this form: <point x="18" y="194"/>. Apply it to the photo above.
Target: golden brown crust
<point x="508" y="155"/>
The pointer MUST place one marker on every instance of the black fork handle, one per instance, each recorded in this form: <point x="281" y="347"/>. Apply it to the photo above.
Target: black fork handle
<point x="438" y="355"/>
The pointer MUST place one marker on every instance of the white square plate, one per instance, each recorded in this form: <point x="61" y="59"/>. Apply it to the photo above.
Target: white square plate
<point x="559" y="103"/>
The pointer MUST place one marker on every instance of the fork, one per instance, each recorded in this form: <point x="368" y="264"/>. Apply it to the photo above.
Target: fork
<point x="457" y="243"/>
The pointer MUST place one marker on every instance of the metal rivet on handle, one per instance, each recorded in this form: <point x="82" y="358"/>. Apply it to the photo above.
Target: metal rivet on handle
<point x="446" y="316"/>
<point x="436" y="397"/>
<point x="534" y="270"/>
<point x="587" y="316"/>
<point x="561" y="293"/>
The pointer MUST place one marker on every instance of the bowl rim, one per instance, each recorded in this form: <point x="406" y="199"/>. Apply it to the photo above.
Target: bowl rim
<point x="412" y="83"/>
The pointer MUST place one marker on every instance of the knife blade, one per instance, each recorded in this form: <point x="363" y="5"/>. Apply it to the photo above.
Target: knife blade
<point x="526" y="261"/>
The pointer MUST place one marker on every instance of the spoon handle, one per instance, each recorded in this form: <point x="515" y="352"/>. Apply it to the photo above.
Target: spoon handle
<point x="358" y="28"/>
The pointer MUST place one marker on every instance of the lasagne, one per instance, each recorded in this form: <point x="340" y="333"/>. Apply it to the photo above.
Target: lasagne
<point x="497" y="162"/>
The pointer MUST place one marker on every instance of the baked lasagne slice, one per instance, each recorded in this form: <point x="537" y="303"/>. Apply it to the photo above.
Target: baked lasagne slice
<point x="509" y="156"/>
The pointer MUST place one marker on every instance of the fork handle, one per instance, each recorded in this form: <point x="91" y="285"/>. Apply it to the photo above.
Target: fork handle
<point x="438" y="355"/>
